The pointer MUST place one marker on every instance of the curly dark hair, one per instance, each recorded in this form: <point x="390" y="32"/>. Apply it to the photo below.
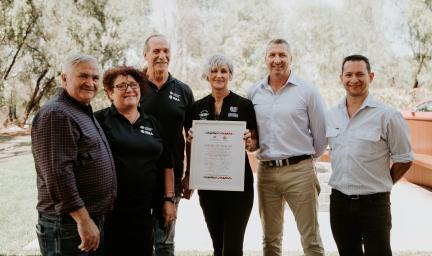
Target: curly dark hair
<point x="111" y="74"/>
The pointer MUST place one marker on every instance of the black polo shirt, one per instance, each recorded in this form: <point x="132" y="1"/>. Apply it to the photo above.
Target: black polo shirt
<point x="171" y="105"/>
<point x="234" y="108"/>
<point x="140" y="156"/>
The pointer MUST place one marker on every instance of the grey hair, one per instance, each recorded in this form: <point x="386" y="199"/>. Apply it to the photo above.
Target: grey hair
<point x="147" y="41"/>
<point x="217" y="61"/>
<point x="279" y="41"/>
<point x="77" y="58"/>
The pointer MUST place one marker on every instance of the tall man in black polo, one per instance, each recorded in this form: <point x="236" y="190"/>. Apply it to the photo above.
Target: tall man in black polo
<point x="76" y="177"/>
<point x="170" y="101"/>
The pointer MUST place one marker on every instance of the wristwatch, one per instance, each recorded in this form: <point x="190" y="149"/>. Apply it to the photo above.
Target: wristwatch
<point x="171" y="199"/>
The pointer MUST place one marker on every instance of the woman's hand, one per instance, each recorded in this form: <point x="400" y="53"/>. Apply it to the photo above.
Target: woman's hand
<point x="169" y="212"/>
<point x="251" y="143"/>
<point x="185" y="191"/>
<point x="190" y="136"/>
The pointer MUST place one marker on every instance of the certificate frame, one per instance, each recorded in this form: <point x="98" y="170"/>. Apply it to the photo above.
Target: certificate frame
<point x="217" y="155"/>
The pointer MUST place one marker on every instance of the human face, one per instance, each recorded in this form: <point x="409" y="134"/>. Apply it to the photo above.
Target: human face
<point x="125" y="99"/>
<point x="218" y="77"/>
<point x="356" y="78"/>
<point x="158" y="54"/>
<point x="278" y="60"/>
<point x="81" y="81"/>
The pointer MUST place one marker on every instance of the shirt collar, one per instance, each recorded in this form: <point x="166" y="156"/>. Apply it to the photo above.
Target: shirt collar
<point x="368" y="102"/>
<point x="86" y="108"/>
<point x="292" y="79"/>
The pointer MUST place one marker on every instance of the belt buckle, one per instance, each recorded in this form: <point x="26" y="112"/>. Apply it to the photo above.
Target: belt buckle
<point x="280" y="163"/>
<point x="354" y="197"/>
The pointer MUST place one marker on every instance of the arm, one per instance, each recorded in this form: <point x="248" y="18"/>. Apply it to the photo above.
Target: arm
<point x="398" y="141"/>
<point x="87" y="230"/>
<point x="54" y="139"/>
<point x="185" y="191"/>
<point x="398" y="170"/>
<point x="169" y="209"/>
<point x="316" y="108"/>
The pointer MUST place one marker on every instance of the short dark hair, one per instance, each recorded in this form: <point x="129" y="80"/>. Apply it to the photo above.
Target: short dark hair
<point x="357" y="57"/>
<point x="111" y="74"/>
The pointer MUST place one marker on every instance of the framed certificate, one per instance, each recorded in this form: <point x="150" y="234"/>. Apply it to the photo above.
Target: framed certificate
<point x="217" y="155"/>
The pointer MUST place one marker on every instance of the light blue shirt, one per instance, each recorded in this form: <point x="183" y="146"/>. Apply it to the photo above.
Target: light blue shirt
<point x="291" y="121"/>
<point x="361" y="147"/>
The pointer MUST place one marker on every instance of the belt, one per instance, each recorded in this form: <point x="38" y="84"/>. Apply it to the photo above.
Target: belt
<point x="284" y="162"/>
<point x="360" y="197"/>
<point x="66" y="218"/>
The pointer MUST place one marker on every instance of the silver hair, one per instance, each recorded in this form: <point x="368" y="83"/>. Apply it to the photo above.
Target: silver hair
<point x="217" y="61"/>
<point x="77" y="58"/>
<point x="147" y="41"/>
<point x="279" y="41"/>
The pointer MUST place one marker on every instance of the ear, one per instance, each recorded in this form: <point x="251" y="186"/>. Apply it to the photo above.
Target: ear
<point x="109" y="94"/>
<point x="371" y="76"/>
<point x="63" y="79"/>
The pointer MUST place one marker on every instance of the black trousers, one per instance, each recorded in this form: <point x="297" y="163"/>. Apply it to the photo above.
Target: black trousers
<point x="129" y="233"/>
<point x="226" y="214"/>
<point x="361" y="225"/>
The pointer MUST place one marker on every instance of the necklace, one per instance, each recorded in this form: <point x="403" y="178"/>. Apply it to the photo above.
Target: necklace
<point x="136" y="118"/>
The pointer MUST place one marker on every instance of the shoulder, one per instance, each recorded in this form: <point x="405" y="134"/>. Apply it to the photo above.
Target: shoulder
<point x="181" y="85"/>
<point x="101" y="115"/>
<point x="241" y="99"/>
<point x="253" y="89"/>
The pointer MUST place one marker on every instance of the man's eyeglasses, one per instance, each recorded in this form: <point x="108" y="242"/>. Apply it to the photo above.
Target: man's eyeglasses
<point x="124" y="86"/>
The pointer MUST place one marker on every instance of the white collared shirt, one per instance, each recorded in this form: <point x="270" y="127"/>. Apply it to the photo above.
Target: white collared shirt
<point x="361" y="147"/>
<point x="291" y="121"/>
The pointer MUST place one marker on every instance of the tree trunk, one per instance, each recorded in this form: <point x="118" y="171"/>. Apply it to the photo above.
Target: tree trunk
<point x="37" y="96"/>
<point x="420" y="66"/>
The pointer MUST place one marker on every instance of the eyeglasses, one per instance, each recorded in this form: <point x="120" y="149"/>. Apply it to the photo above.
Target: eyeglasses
<point x="124" y="86"/>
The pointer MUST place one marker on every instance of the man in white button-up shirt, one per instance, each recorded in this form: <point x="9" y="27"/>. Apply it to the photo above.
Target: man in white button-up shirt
<point x="364" y="135"/>
<point x="291" y="126"/>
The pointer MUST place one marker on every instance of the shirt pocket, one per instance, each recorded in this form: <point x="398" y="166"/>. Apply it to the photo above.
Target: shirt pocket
<point x="364" y="143"/>
<point x="332" y="137"/>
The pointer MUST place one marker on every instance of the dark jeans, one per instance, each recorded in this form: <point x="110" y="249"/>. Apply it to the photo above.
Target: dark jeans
<point x="58" y="235"/>
<point x="226" y="214"/>
<point x="361" y="226"/>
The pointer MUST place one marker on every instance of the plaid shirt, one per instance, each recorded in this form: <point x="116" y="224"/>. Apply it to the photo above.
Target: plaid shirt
<point x="73" y="160"/>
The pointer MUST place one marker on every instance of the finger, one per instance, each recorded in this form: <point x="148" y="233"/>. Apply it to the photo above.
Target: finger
<point x="96" y="244"/>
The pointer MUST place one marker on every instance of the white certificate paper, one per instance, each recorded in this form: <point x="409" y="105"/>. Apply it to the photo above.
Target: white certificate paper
<point x="218" y="155"/>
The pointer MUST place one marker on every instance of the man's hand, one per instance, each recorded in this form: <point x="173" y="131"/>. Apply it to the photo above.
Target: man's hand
<point x="185" y="191"/>
<point x="251" y="143"/>
<point x="87" y="230"/>
<point x="169" y="212"/>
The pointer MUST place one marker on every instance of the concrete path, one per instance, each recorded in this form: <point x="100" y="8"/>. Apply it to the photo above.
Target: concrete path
<point x="411" y="213"/>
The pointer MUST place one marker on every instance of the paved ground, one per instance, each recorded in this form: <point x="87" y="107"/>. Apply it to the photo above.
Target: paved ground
<point x="411" y="213"/>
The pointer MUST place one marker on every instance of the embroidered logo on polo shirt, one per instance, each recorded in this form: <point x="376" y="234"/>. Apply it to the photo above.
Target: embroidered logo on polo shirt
<point x="233" y="112"/>
<point x="203" y="115"/>
<point x="174" y="96"/>
<point x="146" y="130"/>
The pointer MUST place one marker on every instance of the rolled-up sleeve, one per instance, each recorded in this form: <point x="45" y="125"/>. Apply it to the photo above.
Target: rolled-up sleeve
<point x="54" y="142"/>
<point x="398" y="138"/>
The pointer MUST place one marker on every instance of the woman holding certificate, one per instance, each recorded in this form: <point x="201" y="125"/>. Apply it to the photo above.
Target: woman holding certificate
<point x="226" y="212"/>
<point x="143" y="165"/>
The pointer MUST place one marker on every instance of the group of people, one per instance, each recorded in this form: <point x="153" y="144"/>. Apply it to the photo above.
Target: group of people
<point x="109" y="182"/>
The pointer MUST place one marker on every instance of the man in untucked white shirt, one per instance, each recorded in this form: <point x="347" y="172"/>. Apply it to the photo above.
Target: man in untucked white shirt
<point x="364" y="135"/>
<point x="291" y="126"/>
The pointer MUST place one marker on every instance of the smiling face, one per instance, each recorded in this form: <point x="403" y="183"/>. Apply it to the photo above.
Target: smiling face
<point x="278" y="60"/>
<point x="81" y="81"/>
<point x="218" y="77"/>
<point x="356" y="78"/>
<point x="158" y="54"/>
<point x="125" y="93"/>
